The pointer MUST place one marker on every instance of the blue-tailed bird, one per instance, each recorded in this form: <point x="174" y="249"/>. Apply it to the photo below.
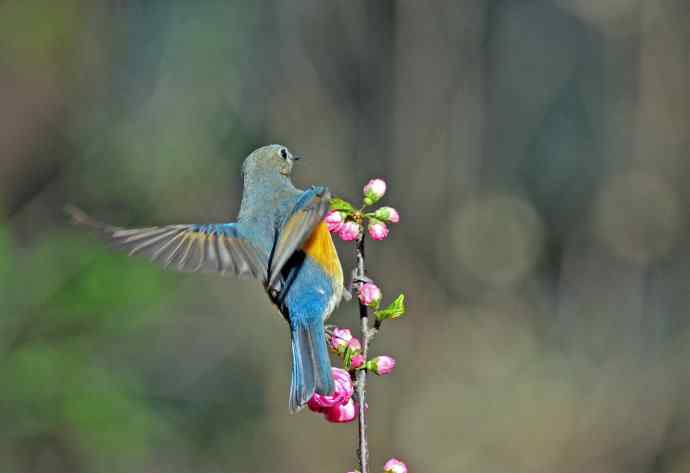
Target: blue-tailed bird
<point x="279" y="238"/>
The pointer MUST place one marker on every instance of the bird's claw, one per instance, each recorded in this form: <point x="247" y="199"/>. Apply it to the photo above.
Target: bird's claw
<point x="355" y="284"/>
<point x="362" y="280"/>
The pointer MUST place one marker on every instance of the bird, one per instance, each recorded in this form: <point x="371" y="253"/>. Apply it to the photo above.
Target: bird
<point x="278" y="238"/>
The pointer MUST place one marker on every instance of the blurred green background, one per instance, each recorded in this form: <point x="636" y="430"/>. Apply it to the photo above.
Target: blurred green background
<point x="538" y="152"/>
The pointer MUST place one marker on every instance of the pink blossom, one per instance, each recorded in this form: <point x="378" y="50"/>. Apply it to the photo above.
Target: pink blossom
<point x="394" y="466"/>
<point x="340" y="339"/>
<point x="356" y="361"/>
<point x="354" y="345"/>
<point x="370" y="294"/>
<point x="334" y="220"/>
<point x="349" y="231"/>
<point x="374" y="190"/>
<point x="381" y="365"/>
<point x="378" y="230"/>
<point x="339" y="407"/>
<point x="387" y="214"/>
<point x="342" y="393"/>
<point x="342" y="413"/>
<point x="313" y="405"/>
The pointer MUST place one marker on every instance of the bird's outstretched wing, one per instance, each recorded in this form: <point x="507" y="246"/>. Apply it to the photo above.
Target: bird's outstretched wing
<point x="217" y="248"/>
<point x="309" y="210"/>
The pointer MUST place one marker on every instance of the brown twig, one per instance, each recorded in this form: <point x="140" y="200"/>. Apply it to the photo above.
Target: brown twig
<point x="366" y="333"/>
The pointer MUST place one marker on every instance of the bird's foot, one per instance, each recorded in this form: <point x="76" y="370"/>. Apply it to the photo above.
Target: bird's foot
<point x="358" y="280"/>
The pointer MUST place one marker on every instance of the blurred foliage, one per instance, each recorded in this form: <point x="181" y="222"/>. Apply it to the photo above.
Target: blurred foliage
<point x="61" y="303"/>
<point x="538" y="153"/>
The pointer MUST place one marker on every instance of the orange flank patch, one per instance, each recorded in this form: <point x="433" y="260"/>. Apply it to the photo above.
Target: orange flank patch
<point x="320" y="248"/>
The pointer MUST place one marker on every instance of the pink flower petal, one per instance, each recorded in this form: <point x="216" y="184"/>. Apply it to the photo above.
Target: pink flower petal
<point x="394" y="466"/>
<point x="356" y="361"/>
<point x="342" y="393"/>
<point x="378" y="230"/>
<point x="387" y="214"/>
<point x="314" y="405"/>
<point x="334" y="220"/>
<point x="381" y="365"/>
<point x="374" y="190"/>
<point x="369" y="293"/>
<point x="339" y="340"/>
<point x="355" y="345"/>
<point x="342" y="413"/>
<point x="349" y="231"/>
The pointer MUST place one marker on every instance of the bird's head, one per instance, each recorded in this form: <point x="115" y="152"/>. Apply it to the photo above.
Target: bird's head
<point x="269" y="161"/>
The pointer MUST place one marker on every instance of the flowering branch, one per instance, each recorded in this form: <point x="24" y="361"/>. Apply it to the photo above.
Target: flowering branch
<point x="367" y="335"/>
<point x="348" y="223"/>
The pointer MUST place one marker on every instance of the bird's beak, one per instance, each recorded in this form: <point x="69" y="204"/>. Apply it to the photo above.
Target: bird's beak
<point x="296" y="158"/>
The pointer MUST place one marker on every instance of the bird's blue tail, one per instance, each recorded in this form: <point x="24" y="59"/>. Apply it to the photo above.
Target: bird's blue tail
<point x="311" y="366"/>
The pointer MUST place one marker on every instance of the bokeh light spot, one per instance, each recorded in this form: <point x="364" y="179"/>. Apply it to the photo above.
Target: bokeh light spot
<point x="638" y="216"/>
<point x="498" y="238"/>
<point x="612" y="16"/>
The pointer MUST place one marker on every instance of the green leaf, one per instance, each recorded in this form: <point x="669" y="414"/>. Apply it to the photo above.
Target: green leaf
<point x="341" y="205"/>
<point x="348" y="357"/>
<point x="393" y="311"/>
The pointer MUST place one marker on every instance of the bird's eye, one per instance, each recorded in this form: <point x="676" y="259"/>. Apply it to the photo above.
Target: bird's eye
<point x="283" y="153"/>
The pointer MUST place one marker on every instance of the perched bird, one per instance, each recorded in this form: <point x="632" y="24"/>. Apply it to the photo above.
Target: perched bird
<point x="279" y="238"/>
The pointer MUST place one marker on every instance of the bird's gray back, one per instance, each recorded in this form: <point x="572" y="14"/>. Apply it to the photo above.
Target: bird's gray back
<point x="265" y="206"/>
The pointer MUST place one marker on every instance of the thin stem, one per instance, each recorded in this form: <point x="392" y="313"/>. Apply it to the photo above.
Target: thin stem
<point x="363" y="449"/>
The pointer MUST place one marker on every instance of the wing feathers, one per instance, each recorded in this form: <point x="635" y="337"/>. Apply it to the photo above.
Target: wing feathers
<point x="220" y="248"/>
<point x="307" y="213"/>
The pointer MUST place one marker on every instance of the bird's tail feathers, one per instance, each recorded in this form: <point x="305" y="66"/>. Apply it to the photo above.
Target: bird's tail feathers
<point x="311" y="366"/>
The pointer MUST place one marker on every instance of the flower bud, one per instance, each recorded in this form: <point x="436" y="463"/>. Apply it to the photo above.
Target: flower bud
<point x="342" y="413"/>
<point x="378" y="230"/>
<point x="354" y="346"/>
<point x="334" y="220"/>
<point x="381" y="365"/>
<point x="370" y="294"/>
<point x="374" y="190"/>
<point x="357" y="361"/>
<point x="387" y="214"/>
<point x="341" y="394"/>
<point x="349" y="231"/>
<point x="394" y="466"/>
<point x="339" y="340"/>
